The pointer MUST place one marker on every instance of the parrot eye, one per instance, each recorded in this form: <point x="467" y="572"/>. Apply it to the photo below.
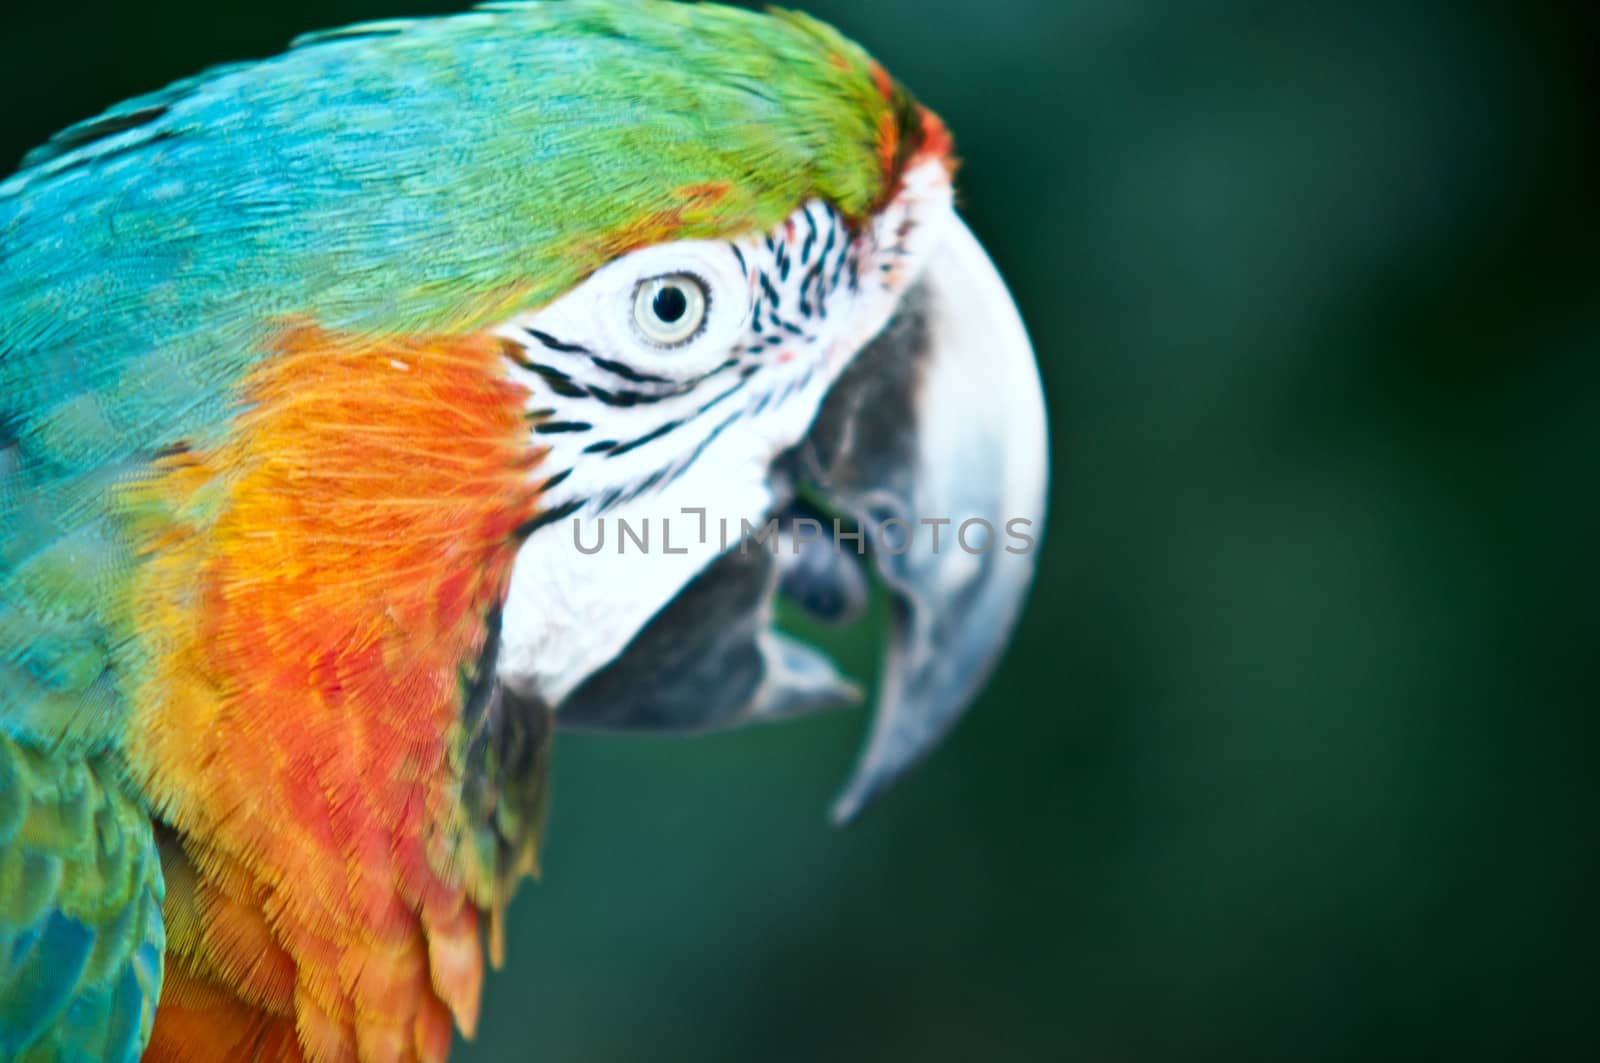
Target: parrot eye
<point x="664" y="315"/>
<point x="670" y="309"/>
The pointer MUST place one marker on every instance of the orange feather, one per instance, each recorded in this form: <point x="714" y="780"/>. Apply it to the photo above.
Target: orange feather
<point x="315" y="586"/>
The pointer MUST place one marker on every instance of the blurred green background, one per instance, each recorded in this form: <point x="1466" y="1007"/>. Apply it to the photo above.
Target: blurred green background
<point x="1293" y="757"/>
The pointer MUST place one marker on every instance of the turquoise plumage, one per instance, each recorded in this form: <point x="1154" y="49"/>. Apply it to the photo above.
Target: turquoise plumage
<point x="81" y="936"/>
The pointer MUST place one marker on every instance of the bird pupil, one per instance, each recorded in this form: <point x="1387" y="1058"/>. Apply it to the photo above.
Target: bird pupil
<point x="670" y="304"/>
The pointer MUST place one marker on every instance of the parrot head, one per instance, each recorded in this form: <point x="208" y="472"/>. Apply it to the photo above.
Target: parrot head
<point x="774" y="411"/>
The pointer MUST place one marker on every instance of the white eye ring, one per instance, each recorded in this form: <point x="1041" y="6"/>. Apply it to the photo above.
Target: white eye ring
<point x="670" y="309"/>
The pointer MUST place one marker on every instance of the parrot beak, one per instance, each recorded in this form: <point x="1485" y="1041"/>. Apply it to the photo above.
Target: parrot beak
<point x="933" y="443"/>
<point x="934" y="440"/>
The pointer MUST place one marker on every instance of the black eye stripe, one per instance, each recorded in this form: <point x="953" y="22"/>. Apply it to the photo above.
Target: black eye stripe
<point x="827" y="244"/>
<point x="625" y="398"/>
<point x="805" y="286"/>
<point x="838" y="269"/>
<point x="743" y="380"/>
<point x="649" y="437"/>
<point x="625" y="372"/>
<point x="557" y="345"/>
<point x="768" y="290"/>
<point x="549" y="516"/>
<point x="554" y="481"/>
<point x="565" y="388"/>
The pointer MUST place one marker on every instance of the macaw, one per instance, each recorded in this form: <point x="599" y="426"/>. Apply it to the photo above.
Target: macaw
<point x="320" y="376"/>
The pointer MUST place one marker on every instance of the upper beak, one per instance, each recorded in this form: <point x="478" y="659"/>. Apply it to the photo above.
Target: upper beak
<point x="938" y="425"/>
<point x="934" y="441"/>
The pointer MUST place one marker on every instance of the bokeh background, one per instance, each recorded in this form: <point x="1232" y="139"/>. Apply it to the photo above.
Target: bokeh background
<point x="1294" y="755"/>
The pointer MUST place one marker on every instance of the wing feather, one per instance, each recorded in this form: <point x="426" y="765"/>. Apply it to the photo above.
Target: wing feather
<point x="81" y="936"/>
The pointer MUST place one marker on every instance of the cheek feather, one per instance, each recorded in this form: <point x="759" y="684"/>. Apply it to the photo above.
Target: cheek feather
<point x="316" y="586"/>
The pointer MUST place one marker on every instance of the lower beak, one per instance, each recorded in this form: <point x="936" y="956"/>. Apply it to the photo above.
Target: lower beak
<point x="933" y="441"/>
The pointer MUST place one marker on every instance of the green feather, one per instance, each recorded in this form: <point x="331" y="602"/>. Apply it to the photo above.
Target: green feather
<point x="81" y="938"/>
